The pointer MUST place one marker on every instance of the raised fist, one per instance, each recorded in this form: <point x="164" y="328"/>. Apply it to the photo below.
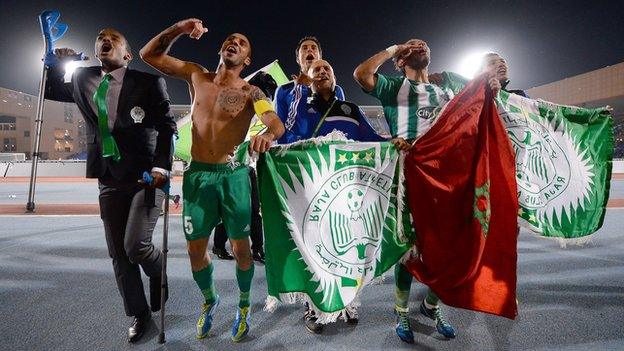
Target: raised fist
<point x="193" y="27"/>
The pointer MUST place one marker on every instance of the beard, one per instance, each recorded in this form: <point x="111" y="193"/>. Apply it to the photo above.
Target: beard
<point x="232" y="61"/>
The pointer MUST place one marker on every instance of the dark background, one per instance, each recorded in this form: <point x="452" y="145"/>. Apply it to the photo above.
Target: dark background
<point x="543" y="41"/>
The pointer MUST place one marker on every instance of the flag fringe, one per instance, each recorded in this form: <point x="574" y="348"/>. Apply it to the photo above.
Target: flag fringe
<point x="401" y="198"/>
<point x="241" y="157"/>
<point x="411" y="254"/>
<point x="322" y="317"/>
<point x="378" y="280"/>
<point x="564" y="242"/>
<point x="335" y="135"/>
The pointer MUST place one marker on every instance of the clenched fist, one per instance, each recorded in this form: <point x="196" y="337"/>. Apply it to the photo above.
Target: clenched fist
<point x="193" y="27"/>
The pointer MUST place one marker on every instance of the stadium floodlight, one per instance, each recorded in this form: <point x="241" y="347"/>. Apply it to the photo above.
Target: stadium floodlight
<point x="70" y="67"/>
<point x="469" y="65"/>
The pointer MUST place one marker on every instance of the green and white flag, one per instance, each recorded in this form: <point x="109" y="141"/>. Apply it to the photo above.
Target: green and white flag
<point x="183" y="142"/>
<point x="563" y="165"/>
<point x="330" y="216"/>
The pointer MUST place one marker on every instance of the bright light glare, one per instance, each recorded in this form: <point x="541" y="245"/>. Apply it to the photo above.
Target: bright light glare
<point x="70" y="67"/>
<point x="469" y="65"/>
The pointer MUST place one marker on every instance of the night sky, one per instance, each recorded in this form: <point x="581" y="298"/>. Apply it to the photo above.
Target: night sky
<point x="543" y="41"/>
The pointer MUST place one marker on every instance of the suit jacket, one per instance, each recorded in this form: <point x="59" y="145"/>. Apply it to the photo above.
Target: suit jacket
<point x="142" y="145"/>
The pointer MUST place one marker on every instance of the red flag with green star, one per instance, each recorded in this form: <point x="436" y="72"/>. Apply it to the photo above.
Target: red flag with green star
<point x="462" y="194"/>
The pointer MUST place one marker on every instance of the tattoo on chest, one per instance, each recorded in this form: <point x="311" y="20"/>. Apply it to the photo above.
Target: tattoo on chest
<point x="232" y="100"/>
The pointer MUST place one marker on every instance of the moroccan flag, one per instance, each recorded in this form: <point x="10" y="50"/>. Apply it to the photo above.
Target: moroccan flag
<point x="183" y="143"/>
<point x="563" y="165"/>
<point x="462" y="195"/>
<point x="329" y="210"/>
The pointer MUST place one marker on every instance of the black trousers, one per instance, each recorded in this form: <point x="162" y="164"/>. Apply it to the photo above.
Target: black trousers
<point x="257" y="239"/>
<point x="128" y="224"/>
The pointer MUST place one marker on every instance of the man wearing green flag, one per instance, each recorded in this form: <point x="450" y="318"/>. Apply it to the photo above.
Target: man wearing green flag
<point x="290" y="100"/>
<point x="320" y="115"/>
<point x="129" y="131"/>
<point x="216" y="188"/>
<point x="563" y="157"/>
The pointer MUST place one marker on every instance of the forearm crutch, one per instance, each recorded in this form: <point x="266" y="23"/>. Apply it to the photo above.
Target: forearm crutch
<point x="52" y="31"/>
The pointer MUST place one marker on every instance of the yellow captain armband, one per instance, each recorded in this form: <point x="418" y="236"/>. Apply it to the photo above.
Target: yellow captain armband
<point x="262" y="106"/>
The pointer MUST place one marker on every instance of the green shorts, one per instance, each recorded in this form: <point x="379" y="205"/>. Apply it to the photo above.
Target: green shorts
<point x="216" y="193"/>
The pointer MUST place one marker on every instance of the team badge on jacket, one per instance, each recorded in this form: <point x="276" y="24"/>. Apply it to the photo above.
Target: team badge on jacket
<point x="346" y="109"/>
<point x="137" y="114"/>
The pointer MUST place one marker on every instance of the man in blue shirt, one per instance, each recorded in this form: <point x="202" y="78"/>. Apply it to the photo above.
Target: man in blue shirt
<point x="290" y="96"/>
<point x="320" y="114"/>
<point x="324" y="112"/>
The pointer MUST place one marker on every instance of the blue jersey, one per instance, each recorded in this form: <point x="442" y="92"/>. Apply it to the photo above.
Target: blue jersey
<point x="289" y="99"/>
<point x="318" y="117"/>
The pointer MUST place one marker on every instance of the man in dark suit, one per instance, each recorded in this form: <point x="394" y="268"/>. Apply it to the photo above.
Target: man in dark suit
<point x="129" y="131"/>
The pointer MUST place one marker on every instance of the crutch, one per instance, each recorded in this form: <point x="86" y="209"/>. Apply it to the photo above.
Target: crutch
<point x="163" y="279"/>
<point x="52" y="32"/>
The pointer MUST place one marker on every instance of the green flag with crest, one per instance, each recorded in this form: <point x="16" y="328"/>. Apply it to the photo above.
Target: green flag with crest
<point x="330" y="212"/>
<point x="563" y="165"/>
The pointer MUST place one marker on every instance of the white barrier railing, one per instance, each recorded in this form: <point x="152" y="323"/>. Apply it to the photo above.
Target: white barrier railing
<point x="618" y="166"/>
<point x="57" y="168"/>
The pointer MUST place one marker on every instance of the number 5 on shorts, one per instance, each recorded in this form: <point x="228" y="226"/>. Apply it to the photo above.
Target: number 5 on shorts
<point x="188" y="225"/>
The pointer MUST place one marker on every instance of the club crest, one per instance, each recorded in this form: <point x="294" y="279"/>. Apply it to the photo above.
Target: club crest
<point x="341" y="214"/>
<point x="137" y="114"/>
<point x="347" y="209"/>
<point x="552" y="172"/>
<point x="346" y="109"/>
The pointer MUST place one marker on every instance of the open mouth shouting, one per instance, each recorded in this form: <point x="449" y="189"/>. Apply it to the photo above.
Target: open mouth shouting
<point x="231" y="49"/>
<point x="106" y="48"/>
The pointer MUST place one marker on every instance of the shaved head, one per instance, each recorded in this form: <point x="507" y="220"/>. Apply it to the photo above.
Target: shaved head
<point x="112" y="48"/>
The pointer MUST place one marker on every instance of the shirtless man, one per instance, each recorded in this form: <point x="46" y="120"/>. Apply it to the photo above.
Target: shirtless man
<point x="223" y="105"/>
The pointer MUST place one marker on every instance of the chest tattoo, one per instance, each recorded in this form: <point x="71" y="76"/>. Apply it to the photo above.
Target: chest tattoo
<point x="232" y="100"/>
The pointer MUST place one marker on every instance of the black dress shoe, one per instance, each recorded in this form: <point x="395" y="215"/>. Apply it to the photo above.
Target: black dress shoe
<point x="222" y="254"/>
<point x="155" y="293"/>
<point x="139" y="325"/>
<point x="258" y="256"/>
